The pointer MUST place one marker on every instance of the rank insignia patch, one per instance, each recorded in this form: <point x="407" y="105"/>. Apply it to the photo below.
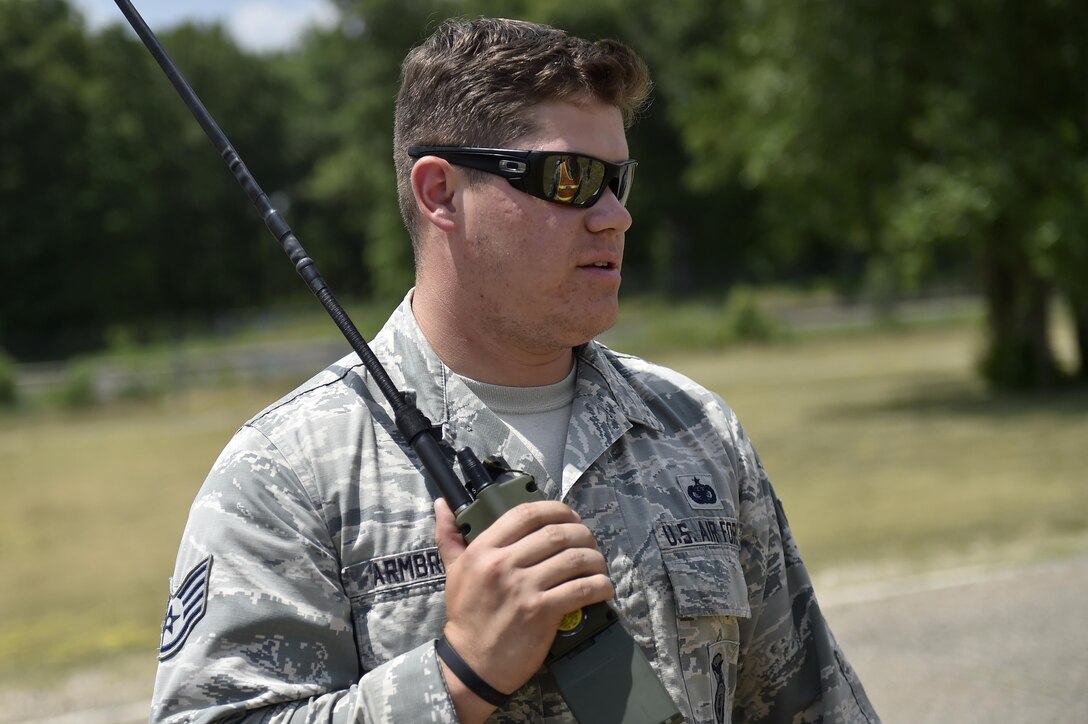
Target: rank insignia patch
<point x="700" y="494"/>
<point x="187" y="606"/>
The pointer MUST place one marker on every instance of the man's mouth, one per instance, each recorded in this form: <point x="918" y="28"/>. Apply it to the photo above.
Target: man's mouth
<point x="601" y="261"/>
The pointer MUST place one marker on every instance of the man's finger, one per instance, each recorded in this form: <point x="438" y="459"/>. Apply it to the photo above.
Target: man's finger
<point x="446" y="534"/>
<point x="520" y="521"/>
<point x="579" y="592"/>
<point x="568" y="565"/>
<point x="542" y="544"/>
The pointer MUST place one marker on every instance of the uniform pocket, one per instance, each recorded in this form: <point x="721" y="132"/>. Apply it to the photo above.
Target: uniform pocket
<point x="397" y="603"/>
<point x="700" y="557"/>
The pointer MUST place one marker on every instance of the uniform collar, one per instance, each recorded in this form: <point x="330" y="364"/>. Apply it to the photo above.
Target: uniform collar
<point x="605" y="405"/>
<point x="598" y="365"/>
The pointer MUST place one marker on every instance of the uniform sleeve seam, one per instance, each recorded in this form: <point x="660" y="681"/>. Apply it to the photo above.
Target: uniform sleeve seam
<point x="305" y="488"/>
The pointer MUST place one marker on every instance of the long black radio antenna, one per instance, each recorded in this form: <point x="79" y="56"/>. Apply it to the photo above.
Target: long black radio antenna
<point x="410" y="421"/>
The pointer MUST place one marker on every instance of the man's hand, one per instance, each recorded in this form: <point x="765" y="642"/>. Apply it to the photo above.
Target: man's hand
<point x="507" y="592"/>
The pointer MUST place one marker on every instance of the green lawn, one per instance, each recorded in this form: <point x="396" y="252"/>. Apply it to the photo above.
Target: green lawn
<point x="95" y="504"/>
<point x="883" y="447"/>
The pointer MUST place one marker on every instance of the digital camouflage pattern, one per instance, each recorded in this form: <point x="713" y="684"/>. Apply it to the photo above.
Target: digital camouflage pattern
<point x="326" y="589"/>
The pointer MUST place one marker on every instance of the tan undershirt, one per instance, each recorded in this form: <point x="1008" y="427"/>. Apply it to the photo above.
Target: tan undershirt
<point x="540" y="415"/>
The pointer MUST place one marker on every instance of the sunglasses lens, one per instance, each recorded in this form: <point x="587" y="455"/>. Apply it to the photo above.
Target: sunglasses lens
<point x="572" y="179"/>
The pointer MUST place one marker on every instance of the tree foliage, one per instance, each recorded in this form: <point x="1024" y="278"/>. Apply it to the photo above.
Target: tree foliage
<point x="116" y="209"/>
<point x="884" y="147"/>
<point x="43" y="170"/>
<point x="920" y="138"/>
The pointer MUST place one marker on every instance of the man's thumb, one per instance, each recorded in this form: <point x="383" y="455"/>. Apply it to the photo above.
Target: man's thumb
<point x="446" y="535"/>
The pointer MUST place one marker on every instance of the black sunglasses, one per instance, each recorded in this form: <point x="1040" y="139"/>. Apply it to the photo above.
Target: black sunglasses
<point x="572" y="179"/>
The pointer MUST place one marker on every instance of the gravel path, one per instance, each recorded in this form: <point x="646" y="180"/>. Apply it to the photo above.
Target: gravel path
<point x="966" y="647"/>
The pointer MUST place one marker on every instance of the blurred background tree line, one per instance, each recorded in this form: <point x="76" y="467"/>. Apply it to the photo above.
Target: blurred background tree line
<point x="881" y="148"/>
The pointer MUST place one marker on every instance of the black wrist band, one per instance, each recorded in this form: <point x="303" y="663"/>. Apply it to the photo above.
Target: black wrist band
<point x="467" y="676"/>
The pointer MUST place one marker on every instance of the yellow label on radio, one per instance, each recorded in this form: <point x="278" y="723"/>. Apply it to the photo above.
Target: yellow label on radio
<point x="571" y="621"/>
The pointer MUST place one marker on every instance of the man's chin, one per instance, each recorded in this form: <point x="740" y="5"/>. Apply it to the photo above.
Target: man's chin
<point x="595" y="327"/>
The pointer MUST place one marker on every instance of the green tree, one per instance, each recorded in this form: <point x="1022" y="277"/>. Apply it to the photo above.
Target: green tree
<point x="1000" y="159"/>
<point x="909" y="136"/>
<point x="116" y="209"/>
<point x="43" y="170"/>
<point x="184" y="242"/>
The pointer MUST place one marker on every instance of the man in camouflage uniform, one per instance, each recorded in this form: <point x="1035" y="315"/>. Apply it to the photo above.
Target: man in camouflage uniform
<point x="315" y="574"/>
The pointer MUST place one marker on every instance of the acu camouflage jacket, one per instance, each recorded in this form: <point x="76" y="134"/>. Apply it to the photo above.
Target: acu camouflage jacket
<point x="308" y="586"/>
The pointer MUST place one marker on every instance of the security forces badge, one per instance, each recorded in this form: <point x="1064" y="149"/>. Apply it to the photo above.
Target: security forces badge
<point x="186" y="607"/>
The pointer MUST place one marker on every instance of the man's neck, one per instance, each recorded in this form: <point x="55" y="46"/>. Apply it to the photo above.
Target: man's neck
<point x="471" y="353"/>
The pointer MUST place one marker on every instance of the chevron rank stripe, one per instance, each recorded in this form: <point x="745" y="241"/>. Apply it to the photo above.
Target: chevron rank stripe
<point x="186" y="607"/>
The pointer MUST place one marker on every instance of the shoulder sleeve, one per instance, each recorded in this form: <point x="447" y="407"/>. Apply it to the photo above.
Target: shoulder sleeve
<point x="790" y="667"/>
<point x="258" y="626"/>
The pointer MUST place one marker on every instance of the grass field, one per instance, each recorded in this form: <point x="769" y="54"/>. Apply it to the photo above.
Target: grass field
<point x="883" y="446"/>
<point x="886" y="448"/>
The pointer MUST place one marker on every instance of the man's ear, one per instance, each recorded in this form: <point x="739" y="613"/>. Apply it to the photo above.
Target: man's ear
<point x="435" y="183"/>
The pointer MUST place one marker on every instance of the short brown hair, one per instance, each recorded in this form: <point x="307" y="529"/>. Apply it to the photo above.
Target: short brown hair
<point x="475" y="83"/>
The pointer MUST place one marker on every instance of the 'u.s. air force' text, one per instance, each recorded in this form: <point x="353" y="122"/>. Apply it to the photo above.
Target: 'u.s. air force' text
<point x="698" y="532"/>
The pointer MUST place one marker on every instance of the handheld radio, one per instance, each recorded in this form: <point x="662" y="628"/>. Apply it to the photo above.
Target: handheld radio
<point x="601" y="673"/>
